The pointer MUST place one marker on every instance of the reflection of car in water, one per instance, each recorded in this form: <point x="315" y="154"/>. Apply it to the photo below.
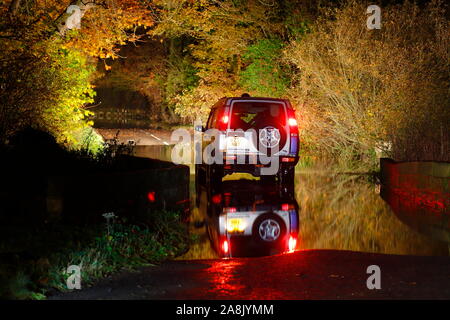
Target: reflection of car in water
<point x="246" y="218"/>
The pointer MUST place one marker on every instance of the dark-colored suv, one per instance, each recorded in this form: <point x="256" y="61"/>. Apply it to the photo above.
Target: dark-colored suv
<point x="252" y="135"/>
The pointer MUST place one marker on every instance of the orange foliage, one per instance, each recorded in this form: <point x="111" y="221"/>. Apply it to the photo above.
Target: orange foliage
<point x="103" y="28"/>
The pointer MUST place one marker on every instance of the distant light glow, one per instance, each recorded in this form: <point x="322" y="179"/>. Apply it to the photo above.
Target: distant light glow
<point x="151" y="196"/>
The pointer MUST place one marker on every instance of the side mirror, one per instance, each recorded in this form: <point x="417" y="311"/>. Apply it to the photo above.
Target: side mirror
<point x="199" y="128"/>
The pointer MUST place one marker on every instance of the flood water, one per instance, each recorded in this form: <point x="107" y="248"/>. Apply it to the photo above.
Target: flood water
<point x="322" y="211"/>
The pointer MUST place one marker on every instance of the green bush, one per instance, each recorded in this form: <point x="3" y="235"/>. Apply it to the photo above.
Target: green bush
<point x="264" y="74"/>
<point x="98" y="250"/>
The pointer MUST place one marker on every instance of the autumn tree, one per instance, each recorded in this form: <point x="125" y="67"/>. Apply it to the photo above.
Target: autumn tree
<point x="216" y="36"/>
<point x="363" y="93"/>
<point x="46" y="65"/>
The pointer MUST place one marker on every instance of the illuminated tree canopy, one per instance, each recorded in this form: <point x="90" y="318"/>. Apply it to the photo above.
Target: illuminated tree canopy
<point x="352" y="99"/>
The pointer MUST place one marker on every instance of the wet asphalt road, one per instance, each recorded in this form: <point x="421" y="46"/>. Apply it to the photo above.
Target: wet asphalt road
<point x="310" y="274"/>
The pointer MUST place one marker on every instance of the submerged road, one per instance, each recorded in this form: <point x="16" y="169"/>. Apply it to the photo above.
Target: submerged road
<point x="309" y="274"/>
<point x="149" y="137"/>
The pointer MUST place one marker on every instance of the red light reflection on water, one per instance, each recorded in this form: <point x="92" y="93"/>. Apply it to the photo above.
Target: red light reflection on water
<point x="223" y="277"/>
<point x="241" y="279"/>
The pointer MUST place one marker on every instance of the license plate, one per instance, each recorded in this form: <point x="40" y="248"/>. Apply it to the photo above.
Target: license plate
<point x="235" y="225"/>
<point x="236" y="142"/>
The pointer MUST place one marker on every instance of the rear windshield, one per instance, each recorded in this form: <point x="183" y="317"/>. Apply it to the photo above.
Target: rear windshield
<point x="253" y="115"/>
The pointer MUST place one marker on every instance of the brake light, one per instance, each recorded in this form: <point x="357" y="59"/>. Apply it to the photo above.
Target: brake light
<point x="151" y="196"/>
<point x="292" y="122"/>
<point x="286" y="159"/>
<point x="225" y="246"/>
<point x="225" y="119"/>
<point x="287" y="207"/>
<point x="230" y="210"/>
<point x="217" y="198"/>
<point x="292" y="243"/>
<point x="293" y="128"/>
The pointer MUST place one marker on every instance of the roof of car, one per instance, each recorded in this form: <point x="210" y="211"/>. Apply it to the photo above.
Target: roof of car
<point x="230" y="99"/>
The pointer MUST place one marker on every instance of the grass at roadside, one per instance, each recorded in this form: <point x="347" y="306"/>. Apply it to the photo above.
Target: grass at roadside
<point x="35" y="259"/>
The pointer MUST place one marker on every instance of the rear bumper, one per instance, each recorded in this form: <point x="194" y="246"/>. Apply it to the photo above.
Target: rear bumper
<point x="255" y="169"/>
<point x="254" y="159"/>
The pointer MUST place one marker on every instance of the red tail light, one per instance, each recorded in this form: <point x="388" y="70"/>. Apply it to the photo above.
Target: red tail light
<point x="287" y="207"/>
<point x="225" y="246"/>
<point x="151" y="196"/>
<point x="292" y="122"/>
<point x="224" y="119"/>
<point x="217" y="198"/>
<point x="292" y="243"/>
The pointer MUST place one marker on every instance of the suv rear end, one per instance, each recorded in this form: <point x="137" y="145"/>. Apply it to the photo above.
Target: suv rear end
<point x="253" y="134"/>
